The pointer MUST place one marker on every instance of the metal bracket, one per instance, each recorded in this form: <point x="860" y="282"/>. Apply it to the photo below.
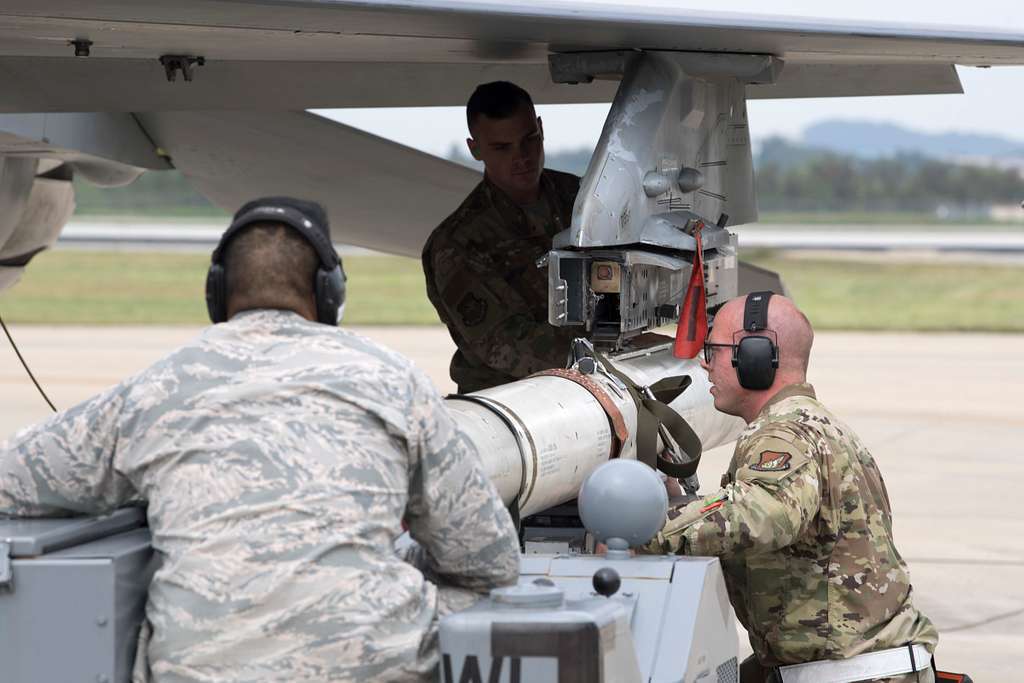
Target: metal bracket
<point x="83" y="46"/>
<point x="6" y="574"/>
<point x="584" y="67"/>
<point x="675" y="147"/>
<point x="584" y="360"/>
<point x="674" y="153"/>
<point x="174" y="63"/>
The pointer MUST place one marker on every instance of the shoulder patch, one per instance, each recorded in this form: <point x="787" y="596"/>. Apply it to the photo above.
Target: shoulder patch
<point x="472" y="309"/>
<point x="772" y="461"/>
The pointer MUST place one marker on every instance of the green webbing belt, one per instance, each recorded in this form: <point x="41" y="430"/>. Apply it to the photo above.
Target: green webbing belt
<point x="653" y="414"/>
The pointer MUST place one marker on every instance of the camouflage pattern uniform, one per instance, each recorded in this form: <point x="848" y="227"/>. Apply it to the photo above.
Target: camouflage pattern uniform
<point x="482" y="277"/>
<point x="278" y="458"/>
<point x="803" y="527"/>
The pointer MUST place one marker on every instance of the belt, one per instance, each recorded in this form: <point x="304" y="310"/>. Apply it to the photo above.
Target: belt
<point x="870" y="665"/>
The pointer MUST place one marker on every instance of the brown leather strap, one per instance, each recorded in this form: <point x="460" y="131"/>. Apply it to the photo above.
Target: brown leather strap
<point x="610" y="409"/>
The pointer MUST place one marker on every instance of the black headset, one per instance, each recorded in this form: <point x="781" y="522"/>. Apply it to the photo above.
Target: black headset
<point x="756" y="357"/>
<point x="309" y="220"/>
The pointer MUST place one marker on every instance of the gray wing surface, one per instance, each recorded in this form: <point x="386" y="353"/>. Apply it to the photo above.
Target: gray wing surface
<point x="302" y="54"/>
<point x="234" y="130"/>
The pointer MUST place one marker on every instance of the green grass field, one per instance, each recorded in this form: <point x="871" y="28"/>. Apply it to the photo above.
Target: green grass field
<point x="857" y="295"/>
<point x="87" y="287"/>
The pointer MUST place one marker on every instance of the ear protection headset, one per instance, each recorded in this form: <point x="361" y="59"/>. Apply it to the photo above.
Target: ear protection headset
<point x="310" y="221"/>
<point x="756" y="357"/>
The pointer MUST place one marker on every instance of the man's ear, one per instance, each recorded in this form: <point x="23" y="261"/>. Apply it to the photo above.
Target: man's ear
<point x="473" y="148"/>
<point x="540" y="126"/>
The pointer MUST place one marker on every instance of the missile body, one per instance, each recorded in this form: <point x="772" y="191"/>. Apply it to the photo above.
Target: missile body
<point x="540" y="437"/>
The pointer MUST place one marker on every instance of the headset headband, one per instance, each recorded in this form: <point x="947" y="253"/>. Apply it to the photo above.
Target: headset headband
<point x="755" y="311"/>
<point x="315" y="234"/>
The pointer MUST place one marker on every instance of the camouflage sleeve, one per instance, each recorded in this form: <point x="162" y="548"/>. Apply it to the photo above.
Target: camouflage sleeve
<point x="775" y="496"/>
<point x="492" y="321"/>
<point x="65" y="464"/>
<point x="454" y="512"/>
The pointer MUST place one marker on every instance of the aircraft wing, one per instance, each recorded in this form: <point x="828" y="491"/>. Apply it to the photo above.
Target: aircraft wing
<point x="111" y="112"/>
<point x="379" y="194"/>
<point x="304" y="54"/>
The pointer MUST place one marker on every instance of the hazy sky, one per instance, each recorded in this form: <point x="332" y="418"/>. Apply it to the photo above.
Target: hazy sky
<point x="993" y="101"/>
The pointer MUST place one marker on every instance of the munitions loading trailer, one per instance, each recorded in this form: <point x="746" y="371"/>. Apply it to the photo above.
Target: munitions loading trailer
<point x="72" y="596"/>
<point x="78" y="586"/>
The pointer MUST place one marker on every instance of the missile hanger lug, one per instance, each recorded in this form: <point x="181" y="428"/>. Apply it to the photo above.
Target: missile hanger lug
<point x="82" y="46"/>
<point x="174" y="63"/>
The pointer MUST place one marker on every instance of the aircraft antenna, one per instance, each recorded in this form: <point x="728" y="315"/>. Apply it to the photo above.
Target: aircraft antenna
<point x="25" y="365"/>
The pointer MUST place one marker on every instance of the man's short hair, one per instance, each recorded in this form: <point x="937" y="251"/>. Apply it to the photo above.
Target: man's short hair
<point x="270" y="265"/>
<point x="496" y="100"/>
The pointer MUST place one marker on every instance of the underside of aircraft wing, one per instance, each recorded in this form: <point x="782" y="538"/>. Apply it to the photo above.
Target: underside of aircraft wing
<point x="378" y="193"/>
<point x="108" y="89"/>
<point x="304" y="54"/>
<point x="59" y="85"/>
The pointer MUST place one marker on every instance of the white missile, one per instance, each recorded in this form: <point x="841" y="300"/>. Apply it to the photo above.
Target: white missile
<point x="540" y="437"/>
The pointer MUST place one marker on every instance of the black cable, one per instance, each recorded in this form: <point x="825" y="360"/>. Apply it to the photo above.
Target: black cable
<point x="25" y="365"/>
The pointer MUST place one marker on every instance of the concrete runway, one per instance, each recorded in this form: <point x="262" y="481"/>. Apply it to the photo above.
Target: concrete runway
<point x="942" y="414"/>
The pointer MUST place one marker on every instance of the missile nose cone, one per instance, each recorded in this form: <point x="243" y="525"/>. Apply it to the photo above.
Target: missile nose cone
<point x="623" y="503"/>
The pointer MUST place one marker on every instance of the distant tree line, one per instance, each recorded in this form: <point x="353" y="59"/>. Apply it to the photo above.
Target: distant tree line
<point x="789" y="177"/>
<point x="795" y="178"/>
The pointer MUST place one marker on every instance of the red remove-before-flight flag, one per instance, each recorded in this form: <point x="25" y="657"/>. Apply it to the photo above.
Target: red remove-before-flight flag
<point x="693" y="320"/>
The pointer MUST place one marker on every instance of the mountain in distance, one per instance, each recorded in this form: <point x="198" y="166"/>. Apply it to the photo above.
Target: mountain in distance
<point x="871" y="140"/>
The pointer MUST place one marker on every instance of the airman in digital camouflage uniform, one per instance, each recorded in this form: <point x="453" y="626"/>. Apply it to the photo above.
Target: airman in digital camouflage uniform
<point x="802" y="521"/>
<point x="481" y="262"/>
<point x="278" y="457"/>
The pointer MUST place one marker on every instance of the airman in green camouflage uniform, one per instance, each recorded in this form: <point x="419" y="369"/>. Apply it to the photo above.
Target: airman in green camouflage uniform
<point x="481" y="262"/>
<point x="278" y="458"/>
<point x="802" y="521"/>
<point x="483" y="279"/>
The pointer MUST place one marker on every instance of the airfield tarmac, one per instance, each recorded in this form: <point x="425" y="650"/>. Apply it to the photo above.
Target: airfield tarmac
<point x="942" y="414"/>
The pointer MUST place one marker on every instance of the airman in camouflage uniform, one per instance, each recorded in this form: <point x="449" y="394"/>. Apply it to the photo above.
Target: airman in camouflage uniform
<point x="483" y="279"/>
<point x="278" y="458"/>
<point x="481" y="262"/>
<point x="802" y="521"/>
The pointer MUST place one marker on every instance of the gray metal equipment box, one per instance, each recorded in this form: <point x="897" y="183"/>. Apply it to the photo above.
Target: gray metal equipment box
<point x="72" y="596"/>
<point x="672" y="613"/>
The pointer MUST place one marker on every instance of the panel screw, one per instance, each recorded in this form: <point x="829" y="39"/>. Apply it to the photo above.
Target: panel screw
<point x="101" y="620"/>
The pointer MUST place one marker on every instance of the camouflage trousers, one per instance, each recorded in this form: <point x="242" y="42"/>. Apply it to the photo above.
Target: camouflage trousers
<point x="751" y="671"/>
<point x="419" y="667"/>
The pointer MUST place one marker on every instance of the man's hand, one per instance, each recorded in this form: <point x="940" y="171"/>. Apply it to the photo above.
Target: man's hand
<point x="672" y="487"/>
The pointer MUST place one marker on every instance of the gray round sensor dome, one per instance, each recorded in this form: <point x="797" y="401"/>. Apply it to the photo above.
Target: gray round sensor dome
<point x="623" y="499"/>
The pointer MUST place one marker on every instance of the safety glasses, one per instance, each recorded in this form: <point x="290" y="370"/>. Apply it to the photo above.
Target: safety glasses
<point x="709" y="350"/>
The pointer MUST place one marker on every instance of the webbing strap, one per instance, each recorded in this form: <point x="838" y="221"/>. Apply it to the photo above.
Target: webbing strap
<point x="653" y="413"/>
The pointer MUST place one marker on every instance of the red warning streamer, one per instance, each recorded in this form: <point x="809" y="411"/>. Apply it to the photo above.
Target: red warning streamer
<point x="693" y="320"/>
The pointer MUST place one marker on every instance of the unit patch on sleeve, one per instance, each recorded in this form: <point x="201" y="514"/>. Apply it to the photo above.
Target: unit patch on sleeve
<point x="772" y="461"/>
